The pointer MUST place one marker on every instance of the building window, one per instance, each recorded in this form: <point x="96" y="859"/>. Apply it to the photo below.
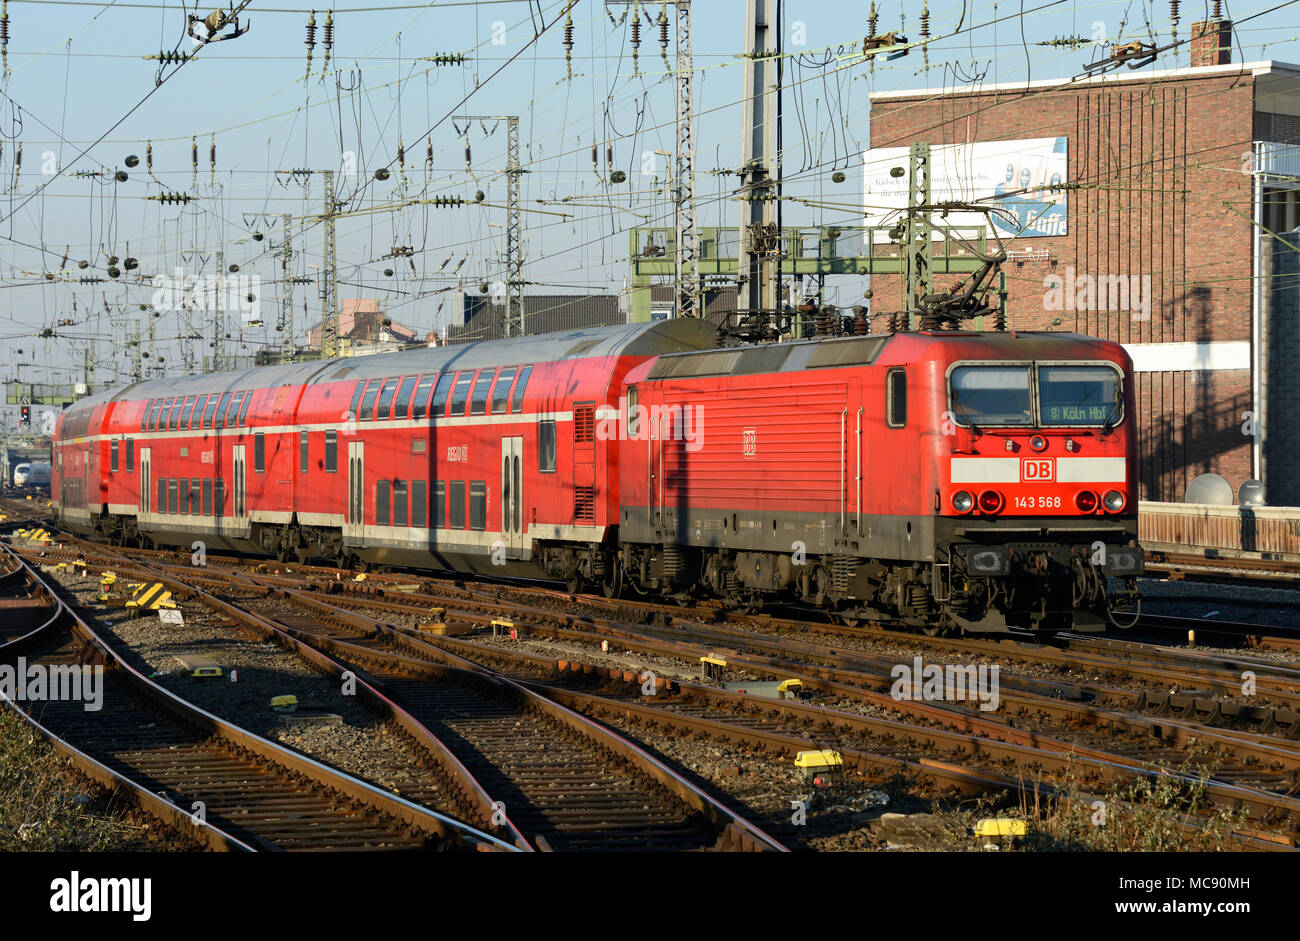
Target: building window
<point x="546" y="446"/>
<point x="381" y="502"/>
<point x="501" y="391"/>
<point x="207" y="496"/>
<point x="402" y="404"/>
<point x="517" y="402"/>
<point x="461" y="395"/>
<point x="112" y="455"/>
<point x="130" y="455"/>
<point x="400" y="492"/>
<point x="439" y="504"/>
<point x="259" y="452"/>
<point x="302" y="452"/>
<point x="331" y="451"/>
<point x="896" y="398"/>
<point x="419" y="504"/>
<point x="456" y="505"/>
<point x="478" y="402"/>
<point x="477" y="505"/>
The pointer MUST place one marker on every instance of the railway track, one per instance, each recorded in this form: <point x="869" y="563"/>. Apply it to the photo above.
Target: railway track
<point x="565" y="782"/>
<point x="231" y="789"/>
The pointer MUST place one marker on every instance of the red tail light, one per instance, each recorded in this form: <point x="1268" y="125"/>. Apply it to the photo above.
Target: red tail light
<point x="1086" y="501"/>
<point x="990" y="501"/>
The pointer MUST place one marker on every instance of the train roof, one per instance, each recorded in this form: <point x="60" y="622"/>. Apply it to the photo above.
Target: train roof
<point x="633" y="339"/>
<point x="864" y="351"/>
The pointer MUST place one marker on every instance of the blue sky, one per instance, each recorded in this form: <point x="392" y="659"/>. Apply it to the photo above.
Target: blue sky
<point x="77" y="72"/>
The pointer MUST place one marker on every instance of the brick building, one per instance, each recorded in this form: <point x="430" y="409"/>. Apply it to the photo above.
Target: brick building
<point x="1185" y="176"/>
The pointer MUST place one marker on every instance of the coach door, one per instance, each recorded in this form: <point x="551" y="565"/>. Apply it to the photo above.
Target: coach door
<point x="146" y="482"/>
<point x="512" y="495"/>
<point x="241" y="488"/>
<point x="355" y="521"/>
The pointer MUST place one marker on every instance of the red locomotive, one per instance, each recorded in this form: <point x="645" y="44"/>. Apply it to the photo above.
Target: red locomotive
<point x="948" y="480"/>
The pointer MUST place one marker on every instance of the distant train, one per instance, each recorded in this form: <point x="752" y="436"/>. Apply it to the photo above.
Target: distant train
<point x="946" y="480"/>
<point x="32" y="476"/>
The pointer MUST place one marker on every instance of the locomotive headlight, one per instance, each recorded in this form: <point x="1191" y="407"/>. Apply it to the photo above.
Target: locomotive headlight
<point x="1085" y="500"/>
<point x="962" y="501"/>
<point x="1038" y="442"/>
<point x="990" y="501"/>
<point x="1114" y="501"/>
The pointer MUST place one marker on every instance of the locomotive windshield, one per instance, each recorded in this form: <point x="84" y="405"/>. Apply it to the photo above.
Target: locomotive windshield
<point x="1065" y="395"/>
<point x="1078" y="395"/>
<point x="991" y="395"/>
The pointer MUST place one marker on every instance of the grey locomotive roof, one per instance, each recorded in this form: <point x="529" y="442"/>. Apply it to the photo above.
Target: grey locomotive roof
<point x="633" y="339"/>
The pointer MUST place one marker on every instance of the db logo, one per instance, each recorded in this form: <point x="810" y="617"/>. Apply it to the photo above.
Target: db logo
<point x="1037" y="468"/>
<point x="749" y="442"/>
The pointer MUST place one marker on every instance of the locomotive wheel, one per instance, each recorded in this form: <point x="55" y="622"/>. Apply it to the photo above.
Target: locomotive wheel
<point x="574" y="584"/>
<point x="612" y="585"/>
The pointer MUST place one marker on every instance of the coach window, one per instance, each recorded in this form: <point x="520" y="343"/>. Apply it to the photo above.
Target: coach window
<point x="196" y="419"/>
<point x="456" y="505"/>
<point x="161" y="423"/>
<point x="501" y="391"/>
<point x="259" y="452"/>
<point x="439" y="504"/>
<point x="183" y="495"/>
<point x="112" y="455"/>
<point x="243" y="412"/>
<point x="232" y="417"/>
<point x="477" y="505"/>
<point x="162" y="494"/>
<point x="185" y="414"/>
<point x="385" y="399"/>
<point x="174" y="421"/>
<point x="517" y="403"/>
<point x="171" y="495"/>
<point x="461" y="396"/>
<point x="219" y="497"/>
<point x="436" y="410"/>
<point x="420" y="404"/>
<point x="219" y="419"/>
<point x="157" y="413"/>
<point x="144" y="416"/>
<point x="400" y="492"/>
<point x="381" y="502"/>
<point x="130" y="455"/>
<point x="209" y="409"/>
<point x="207" y="496"/>
<point x="419" y="504"/>
<point x="331" y="451"/>
<point x="479" y="400"/>
<point x="546" y="446"/>
<point x="368" y="401"/>
<point x="302" y="452"/>
<point x="896" y="398"/>
<point x="402" y="404"/>
<point x="196" y="494"/>
<point x="356" y="400"/>
<point x="630" y="420"/>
